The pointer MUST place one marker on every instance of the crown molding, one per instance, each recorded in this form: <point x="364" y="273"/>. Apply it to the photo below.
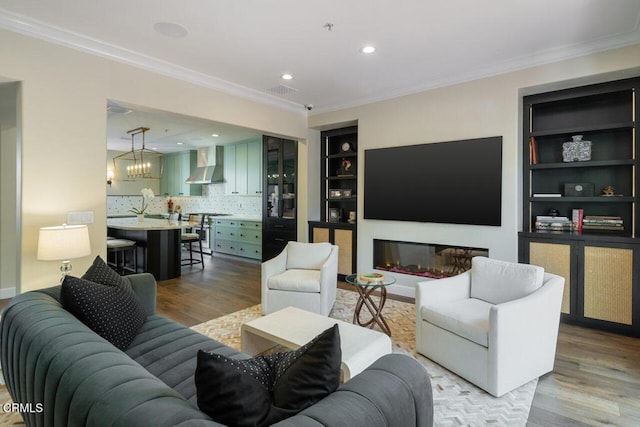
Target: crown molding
<point x="520" y="63"/>
<point x="50" y="33"/>
<point x="54" y="34"/>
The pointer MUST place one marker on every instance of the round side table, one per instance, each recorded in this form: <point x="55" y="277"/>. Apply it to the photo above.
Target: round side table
<point x="366" y="290"/>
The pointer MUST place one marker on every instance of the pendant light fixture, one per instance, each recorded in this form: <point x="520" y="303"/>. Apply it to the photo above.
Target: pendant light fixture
<point x="142" y="163"/>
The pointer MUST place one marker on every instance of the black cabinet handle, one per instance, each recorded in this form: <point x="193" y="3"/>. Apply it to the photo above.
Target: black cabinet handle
<point x="278" y="239"/>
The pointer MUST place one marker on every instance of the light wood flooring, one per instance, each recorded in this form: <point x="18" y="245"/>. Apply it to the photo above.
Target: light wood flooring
<point x="596" y="380"/>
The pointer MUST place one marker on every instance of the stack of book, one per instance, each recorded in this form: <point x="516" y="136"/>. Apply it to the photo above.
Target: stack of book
<point x="553" y="223"/>
<point x="602" y="222"/>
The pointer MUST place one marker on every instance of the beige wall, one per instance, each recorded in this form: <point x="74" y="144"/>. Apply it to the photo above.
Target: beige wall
<point x="8" y="189"/>
<point x="64" y="95"/>
<point x="481" y="108"/>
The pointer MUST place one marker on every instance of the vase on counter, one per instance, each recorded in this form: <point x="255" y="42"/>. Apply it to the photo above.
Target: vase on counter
<point x="140" y="217"/>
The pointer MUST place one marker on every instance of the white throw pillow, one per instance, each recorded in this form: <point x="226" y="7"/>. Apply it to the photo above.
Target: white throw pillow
<point x="498" y="281"/>
<point x="308" y="256"/>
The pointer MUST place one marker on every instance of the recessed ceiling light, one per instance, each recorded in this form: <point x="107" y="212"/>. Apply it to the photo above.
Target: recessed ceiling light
<point x="368" y="49"/>
<point x="180" y="143"/>
<point x="170" y="29"/>
<point x="287" y="76"/>
<point x="215" y="135"/>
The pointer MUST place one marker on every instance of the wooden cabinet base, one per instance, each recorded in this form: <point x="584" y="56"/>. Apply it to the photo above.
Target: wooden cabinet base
<point x="342" y="235"/>
<point x="602" y="278"/>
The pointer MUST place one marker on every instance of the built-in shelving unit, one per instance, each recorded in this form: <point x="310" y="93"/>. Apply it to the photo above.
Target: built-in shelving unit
<point x="339" y="197"/>
<point x="340" y="174"/>
<point x="601" y="267"/>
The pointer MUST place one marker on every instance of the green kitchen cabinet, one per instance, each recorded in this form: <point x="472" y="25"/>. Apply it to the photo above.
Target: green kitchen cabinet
<point x="177" y="168"/>
<point x="243" y="168"/>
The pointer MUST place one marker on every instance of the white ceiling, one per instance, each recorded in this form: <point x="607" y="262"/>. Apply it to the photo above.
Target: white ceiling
<point x="245" y="46"/>
<point x="168" y="132"/>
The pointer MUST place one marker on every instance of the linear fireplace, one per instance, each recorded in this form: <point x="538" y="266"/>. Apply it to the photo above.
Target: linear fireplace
<point x="423" y="259"/>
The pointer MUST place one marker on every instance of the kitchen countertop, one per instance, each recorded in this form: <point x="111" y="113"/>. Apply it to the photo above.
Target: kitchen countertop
<point x="147" y="224"/>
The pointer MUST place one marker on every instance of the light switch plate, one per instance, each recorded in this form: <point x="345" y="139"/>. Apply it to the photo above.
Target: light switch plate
<point x="80" y="217"/>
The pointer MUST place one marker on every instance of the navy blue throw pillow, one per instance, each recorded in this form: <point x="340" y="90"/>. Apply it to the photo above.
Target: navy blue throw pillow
<point x="266" y="389"/>
<point x="110" y="311"/>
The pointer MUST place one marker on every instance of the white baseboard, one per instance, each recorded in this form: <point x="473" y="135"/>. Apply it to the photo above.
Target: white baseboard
<point x="7" y="293"/>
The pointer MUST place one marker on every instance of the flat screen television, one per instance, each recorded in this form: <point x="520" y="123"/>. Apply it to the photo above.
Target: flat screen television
<point x="456" y="182"/>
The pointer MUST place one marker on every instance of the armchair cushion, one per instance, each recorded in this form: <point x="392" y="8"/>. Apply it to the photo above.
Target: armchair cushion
<point x="467" y="318"/>
<point x="296" y="280"/>
<point x="498" y="281"/>
<point x="308" y="256"/>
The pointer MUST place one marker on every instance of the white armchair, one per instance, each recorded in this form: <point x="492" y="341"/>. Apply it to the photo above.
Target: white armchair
<point x="303" y="275"/>
<point x="495" y="325"/>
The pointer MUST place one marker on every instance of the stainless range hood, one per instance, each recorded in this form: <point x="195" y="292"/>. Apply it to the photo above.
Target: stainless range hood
<point x="210" y="166"/>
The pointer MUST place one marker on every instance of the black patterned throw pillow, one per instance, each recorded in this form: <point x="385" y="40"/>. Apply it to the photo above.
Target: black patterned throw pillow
<point x="100" y="272"/>
<point x="266" y="389"/>
<point x="110" y="311"/>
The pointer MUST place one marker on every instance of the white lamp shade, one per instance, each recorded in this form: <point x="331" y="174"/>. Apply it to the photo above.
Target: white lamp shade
<point x="63" y="242"/>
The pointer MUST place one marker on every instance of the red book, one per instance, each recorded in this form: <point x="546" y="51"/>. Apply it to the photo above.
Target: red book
<point x="577" y="217"/>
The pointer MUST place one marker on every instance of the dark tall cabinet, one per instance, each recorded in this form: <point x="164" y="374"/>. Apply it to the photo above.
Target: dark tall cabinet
<point x="280" y="199"/>
<point x="600" y="263"/>
<point x="339" y="188"/>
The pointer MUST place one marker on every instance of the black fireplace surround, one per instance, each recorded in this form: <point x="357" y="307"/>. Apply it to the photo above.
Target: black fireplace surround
<point x="423" y="259"/>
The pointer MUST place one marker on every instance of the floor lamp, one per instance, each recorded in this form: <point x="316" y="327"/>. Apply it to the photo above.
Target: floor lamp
<point x="63" y="243"/>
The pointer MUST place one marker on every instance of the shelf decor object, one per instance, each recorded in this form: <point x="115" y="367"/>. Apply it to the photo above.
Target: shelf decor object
<point x="578" y="189"/>
<point x="345" y="168"/>
<point x="335" y="194"/>
<point x="63" y="243"/>
<point x="576" y="150"/>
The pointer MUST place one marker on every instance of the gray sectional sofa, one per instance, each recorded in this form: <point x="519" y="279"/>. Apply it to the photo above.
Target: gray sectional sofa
<point x="50" y="358"/>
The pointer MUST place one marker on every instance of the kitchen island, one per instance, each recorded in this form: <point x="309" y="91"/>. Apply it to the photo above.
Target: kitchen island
<point x="157" y="243"/>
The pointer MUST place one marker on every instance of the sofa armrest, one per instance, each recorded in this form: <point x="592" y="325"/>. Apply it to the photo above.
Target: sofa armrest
<point x="526" y="330"/>
<point x="51" y="358"/>
<point x="145" y="287"/>
<point x="394" y="391"/>
<point x="275" y="265"/>
<point x="329" y="278"/>
<point x="434" y="292"/>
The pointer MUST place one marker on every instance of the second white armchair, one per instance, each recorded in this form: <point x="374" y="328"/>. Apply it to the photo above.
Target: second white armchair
<point x="495" y="325"/>
<point x="303" y="275"/>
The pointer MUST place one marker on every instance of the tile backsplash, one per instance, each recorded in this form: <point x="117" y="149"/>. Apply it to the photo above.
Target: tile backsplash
<point x="213" y="199"/>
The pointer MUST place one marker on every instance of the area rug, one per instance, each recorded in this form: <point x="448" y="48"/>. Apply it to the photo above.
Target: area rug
<point x="456" y="402"/>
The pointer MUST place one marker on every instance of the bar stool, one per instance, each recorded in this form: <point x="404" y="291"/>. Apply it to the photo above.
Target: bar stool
<point x="121" y="249"/>
<point x="192" y="236"/>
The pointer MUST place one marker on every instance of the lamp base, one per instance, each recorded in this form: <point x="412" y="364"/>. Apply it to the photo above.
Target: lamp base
<point x="65" y="269"/>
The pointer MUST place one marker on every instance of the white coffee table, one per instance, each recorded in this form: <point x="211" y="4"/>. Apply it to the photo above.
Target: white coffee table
<point x="292" y="328"/>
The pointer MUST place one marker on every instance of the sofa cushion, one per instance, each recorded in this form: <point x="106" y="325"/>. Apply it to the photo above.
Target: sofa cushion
<point x="265" y="389"/>
<point x="166" y="349"/>
<point x="296" y="280"/>
<point x="309" y="256"/>
<point x="468" y="318"/>
<point x="100" y="272"/>
<point x="498" y="281"/>
<point x="110" y="311"/>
